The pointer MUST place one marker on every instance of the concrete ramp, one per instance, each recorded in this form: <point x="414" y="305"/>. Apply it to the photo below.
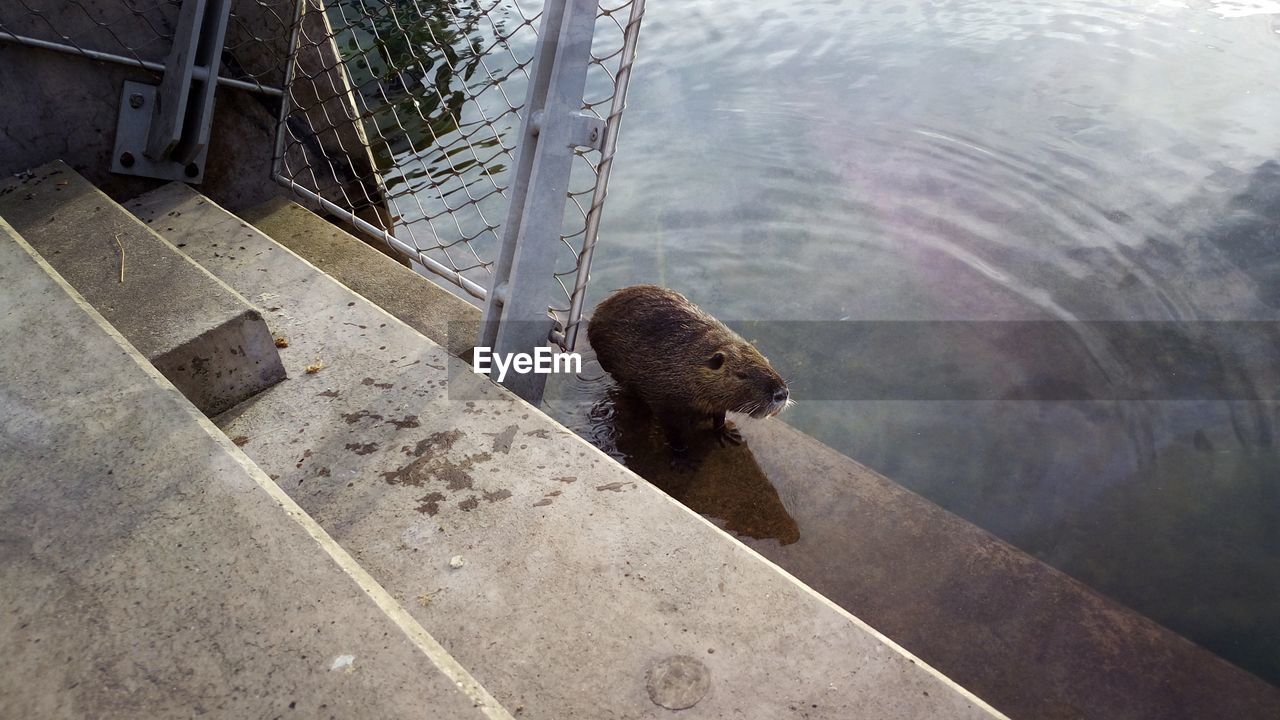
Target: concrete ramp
<point x="148" y="569"/>
<point x="201" y="335"/>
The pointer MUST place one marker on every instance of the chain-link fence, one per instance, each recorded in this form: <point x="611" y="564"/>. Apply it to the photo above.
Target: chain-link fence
<point x="139" y="33"/>
<point x="403" y="117"/>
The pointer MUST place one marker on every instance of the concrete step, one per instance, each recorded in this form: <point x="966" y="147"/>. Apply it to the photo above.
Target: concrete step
<point x="570" y="587"/>
<point x="206" y="339"/>
<point x="148" y="569"/>
<point x="419" y="302"/>
<point x="1053" y="647"/>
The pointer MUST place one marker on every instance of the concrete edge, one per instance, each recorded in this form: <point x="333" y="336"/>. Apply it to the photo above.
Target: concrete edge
<point x="454" y="309"/>
<point x="858" y="622"/>
<point x="957" y="687"/>
<point x="124" y="206"/>
<point x="978" y="702"/>
<point x="417" y="635"/>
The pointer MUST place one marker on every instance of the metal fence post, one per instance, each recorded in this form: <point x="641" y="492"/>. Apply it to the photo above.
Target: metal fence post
<point x="163" y="131"/>
<point x="516" y="314"/>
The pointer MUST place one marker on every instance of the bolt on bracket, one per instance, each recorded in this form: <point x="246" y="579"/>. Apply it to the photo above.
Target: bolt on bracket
<point x="586" y="131"/>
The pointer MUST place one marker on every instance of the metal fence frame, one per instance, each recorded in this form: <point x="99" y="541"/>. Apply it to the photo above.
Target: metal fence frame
<point x="521" y="287"/>
<point x="554" y="127"/>
<point x="528" y="301"/>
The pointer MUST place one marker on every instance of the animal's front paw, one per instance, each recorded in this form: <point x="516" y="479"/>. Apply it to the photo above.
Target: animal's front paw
<point x="727" y="435"/>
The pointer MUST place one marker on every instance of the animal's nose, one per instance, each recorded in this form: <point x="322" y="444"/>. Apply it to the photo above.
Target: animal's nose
<point x="780" y="395"/>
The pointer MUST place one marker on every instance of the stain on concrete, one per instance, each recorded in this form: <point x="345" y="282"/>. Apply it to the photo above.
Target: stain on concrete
<point x="240" y="440"/>
<point x="305" y="454"/>
<point x="362" y="448"/>
<point x="455" y="475"/>
<point x="431" y="464"/>
<point x="199" y="365"/>
<point x="430" y="503"/>
<point x="567" y="479"/>
<point x="355" y="417"/>
<point x="678" y="682"/>
<point x="409" y="421"/>
<point x="615" y="486"/>
<point x="496" y="495"/>
<point x="375" y="383"/>
<point x="436" y="441"/>
<point x="502" y="440"/>
<point x="329" y="394"/>
<point x="540" y="433"/>
<point x="548" y="498"/>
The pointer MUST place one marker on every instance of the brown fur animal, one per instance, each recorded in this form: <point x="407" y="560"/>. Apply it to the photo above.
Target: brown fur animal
<point x="686" y="365"/>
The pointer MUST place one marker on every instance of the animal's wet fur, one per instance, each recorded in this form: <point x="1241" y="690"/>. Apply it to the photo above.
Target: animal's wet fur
<point x="682" y="362"/>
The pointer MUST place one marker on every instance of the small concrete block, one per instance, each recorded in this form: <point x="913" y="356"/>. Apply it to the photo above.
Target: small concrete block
<point x="419" y="302"/>
<point x="207" y="340"/>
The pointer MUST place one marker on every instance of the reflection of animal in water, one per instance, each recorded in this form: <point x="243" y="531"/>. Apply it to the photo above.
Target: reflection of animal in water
<point x="684" y="364"/>
<point x="730" y="487"/>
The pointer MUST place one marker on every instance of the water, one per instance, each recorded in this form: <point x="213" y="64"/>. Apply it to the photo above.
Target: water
<point x="841" y="176"/>
<point x="789" y="160"/>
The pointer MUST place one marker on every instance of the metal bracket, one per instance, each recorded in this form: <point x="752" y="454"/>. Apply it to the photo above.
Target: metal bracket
<point x="130" y="156"/>
<point x="586" y="131"/>
<point x="163" y="131"/>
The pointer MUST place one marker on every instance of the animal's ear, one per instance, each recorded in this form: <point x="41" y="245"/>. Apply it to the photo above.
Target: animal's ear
<point x="716" y="361"/>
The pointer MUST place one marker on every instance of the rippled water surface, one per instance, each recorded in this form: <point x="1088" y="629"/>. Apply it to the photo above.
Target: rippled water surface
<point x="990" y="161"/>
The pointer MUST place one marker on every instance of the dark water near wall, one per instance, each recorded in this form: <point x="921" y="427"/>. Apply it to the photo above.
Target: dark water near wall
<point x="969" y="161"/>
